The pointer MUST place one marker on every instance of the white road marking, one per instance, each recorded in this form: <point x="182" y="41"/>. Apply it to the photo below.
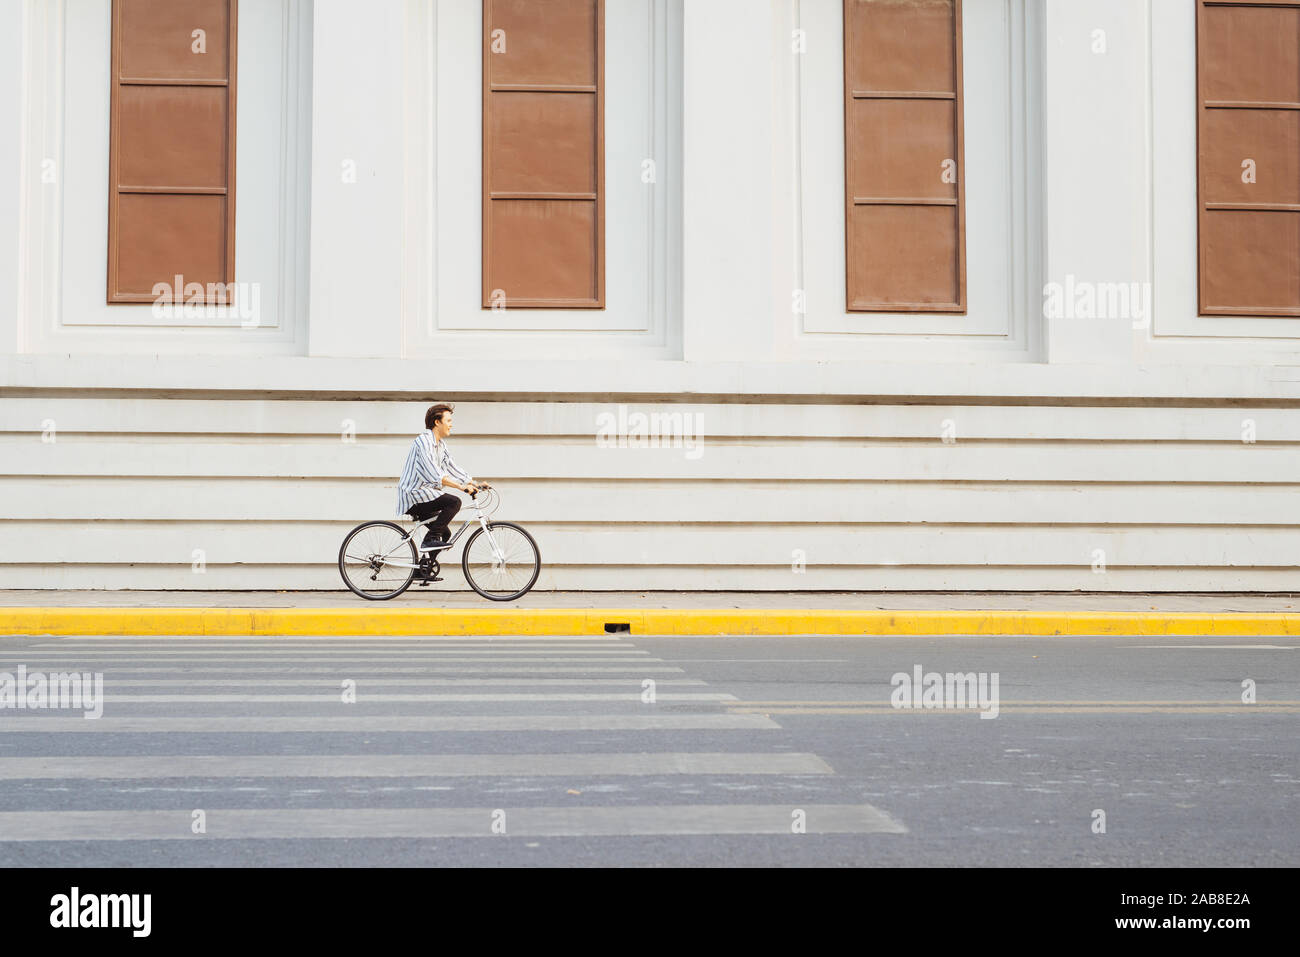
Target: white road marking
<point x="332" y="669"/>
<point x="360" y="724"/>
<point x="331" y="683"/>
<point x="326" y="654"/>
<point x="127" y="660"/>
<point x="1217" y="647"/>
<point x="76" y="767"/>
<point x="230" y="824"/>
<point x="333" y="696"/>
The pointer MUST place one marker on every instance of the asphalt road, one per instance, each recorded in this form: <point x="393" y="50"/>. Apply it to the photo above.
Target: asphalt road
<point x="753" y="752"/>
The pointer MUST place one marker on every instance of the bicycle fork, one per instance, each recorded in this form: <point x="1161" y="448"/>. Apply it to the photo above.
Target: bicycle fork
<point x="498" y="558"/>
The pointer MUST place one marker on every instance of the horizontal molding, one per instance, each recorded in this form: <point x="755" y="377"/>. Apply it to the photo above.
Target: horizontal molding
<point x="503" y="461"/>
<point x="277" y="543"/>
<point x="542" y="88"/>
<point x="904" y="201"/>
<point x="171" y="81"/>
<point x="1251" y="105"/>
<point x="1257" y="207"/>
<point x="865" y="306"/>
<point x="758" y="382"/>
<point x="1247" y="311"/>
<point x="517" y="303"/>
<point x="306" y="418"/>
<point x="61" y="501"/>
<point x="188" y="190"/>
<point x="904" y="95"/>
<point x="517" y="195"/>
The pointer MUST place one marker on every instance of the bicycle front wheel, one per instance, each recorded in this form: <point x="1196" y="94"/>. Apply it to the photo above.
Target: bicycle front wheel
<point x="367" y="556"/>
<point x="501" y="562"/>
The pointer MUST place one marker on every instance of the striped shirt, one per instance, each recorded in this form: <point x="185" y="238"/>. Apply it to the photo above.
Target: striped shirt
<point x="426" y="465"/>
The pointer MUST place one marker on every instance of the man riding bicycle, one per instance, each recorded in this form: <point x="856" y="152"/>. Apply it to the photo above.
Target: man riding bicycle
<point x="428" y="470"/>
<point x="379" y="560"/>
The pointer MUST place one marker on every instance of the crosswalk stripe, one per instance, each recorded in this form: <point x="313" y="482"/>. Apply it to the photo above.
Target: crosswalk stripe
<point x="275" y="724"/>
<point x="118" y="682"/>
<point x="325" y="654"/>
<point x="234" y="824"/>
<point x="588" y="684"/>
<point x="1005" y="703"/>
<point x="331" y="669"/>
<point x="110" y="698"/>
<point x="99" y="663"/>
<point x="1232" y="647"/>
<point x="34" y="662"/>
<point x="1255" y="709"/>
<point x="136" y="767"/>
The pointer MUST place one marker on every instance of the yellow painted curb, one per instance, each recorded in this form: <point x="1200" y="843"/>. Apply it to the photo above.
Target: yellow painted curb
<point x="641" y="621"/>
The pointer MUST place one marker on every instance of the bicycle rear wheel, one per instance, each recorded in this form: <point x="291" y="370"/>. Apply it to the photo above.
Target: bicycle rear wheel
<point x="366" y="556"/>
<point x="503" y="564"/>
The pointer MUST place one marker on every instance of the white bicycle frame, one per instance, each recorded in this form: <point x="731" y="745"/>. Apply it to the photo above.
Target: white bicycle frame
<point x="497" y="557"/>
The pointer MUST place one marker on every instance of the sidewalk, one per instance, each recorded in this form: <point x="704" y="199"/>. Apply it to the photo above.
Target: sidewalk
<point x="431" y="598"/>
<point x="432" y="612"/>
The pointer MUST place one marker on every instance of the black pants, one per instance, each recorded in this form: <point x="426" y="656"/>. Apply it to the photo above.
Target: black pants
<point x="442" y="510"/>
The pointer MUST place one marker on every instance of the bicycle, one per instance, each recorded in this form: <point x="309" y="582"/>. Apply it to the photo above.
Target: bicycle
<point x="500" y="561"/>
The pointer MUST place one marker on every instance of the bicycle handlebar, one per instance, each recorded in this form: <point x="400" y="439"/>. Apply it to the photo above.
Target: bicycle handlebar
<point x="490" y="500"/>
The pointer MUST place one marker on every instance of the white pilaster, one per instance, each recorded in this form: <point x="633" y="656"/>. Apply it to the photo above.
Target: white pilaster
<point x="12" y="16"/>
<point x="728" y="144"/>
<point x="1097" y="162"/>
<point x="357" y="178"/>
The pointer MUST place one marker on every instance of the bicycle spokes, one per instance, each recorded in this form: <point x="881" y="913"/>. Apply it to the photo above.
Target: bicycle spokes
<point x="376" y="560"/>
<point x="501" y="561"/>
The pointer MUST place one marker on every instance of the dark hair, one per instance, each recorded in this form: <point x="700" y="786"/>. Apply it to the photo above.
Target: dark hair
<point x="435" y="412"/>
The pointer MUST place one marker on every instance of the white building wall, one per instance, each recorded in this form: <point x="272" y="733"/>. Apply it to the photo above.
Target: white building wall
<point x="1003" y="449"/>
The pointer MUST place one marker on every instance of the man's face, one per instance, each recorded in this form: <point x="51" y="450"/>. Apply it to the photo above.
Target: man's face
<point x="445" y="425"/>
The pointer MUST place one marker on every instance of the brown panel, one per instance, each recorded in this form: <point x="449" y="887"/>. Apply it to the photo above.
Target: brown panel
<point x="543" y="142"/>
<point x="1249" y="52"/>
<point x="905" y="227"/>
<point x="1248" y="108"/>
<point x="546" y="41"/>
<point x="164" y="234"/>
<point x="171" y="202"/>
<point x="907" y="257"/>
<point x="898" y="148"/>
<point x="172" y="136"/>
<point x="545" y="245"/>
<point x="1271" y="138"/>
<point x="157" y="38"/>
<point x="1250" y="260"/>
<point x="543" y="154"/>
<point x="900" y="45"/>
